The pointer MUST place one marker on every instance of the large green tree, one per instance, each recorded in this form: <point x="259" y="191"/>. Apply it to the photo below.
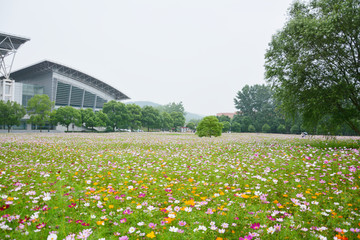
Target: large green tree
<point x="209" y="126"/>
<point x="134" y="116"/>
<point x="11" y="113"/>
<point x="313" y="63"/>
<point x="117" y="113"/>
<point x="178" y="119"/>
<point x="173" y="107"/>
<point x="39" y="108"/>
<point x="166" y="121"/>
<point x="67" y="115"/>
<point x="150" y="117"/>
<point x="255" y="105"/>
<point x="88" y="118"/>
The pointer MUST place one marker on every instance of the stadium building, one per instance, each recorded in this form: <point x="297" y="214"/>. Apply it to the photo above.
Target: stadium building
<point x="64" y="85"/>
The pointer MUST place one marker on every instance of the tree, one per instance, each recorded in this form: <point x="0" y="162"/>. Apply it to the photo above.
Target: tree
<point x="88" y="118"/>
<point x="134" y="116"/>
<point x="166" y="121"/>
<point x="235" y="127"/>
<point x="226" y="126"/>
<point x="150" y="117"/>
<point x="266" y="128"/>
<point x="209" y="126"/>
<point x="178" y="119"/>
<point x="191" y="126"/>
<point x="281" y="128"/>
<point x="39" y="108"/>
<point x="67" y="115"/>
<point x="117" y="113"/>
<point x="11" y="113"/>
<point x="224" y="118"/>
<point x="313" y="62"/>
<point x="174" y="107"/>
<point x="101" y="119"/>
<point x="251" y="128"/>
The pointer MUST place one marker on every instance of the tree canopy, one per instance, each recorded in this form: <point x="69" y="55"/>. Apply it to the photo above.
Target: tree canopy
<point x="209" y="126"/>
<point x="117" y="113"/>
<point x="11" y="113"/>
<point x="67" y="115"/>
<point x="39" y="108"/>
<point x="313" y="63"/>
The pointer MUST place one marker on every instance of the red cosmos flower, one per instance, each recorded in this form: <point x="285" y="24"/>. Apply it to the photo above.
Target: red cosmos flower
<point x="4" y="207"/>
<point x="79" y="221"/>
<point x="85" y="224"/>
<point x="24" y="220"/>
<point x="72" y="205"/>
<point x="41" y="225"/>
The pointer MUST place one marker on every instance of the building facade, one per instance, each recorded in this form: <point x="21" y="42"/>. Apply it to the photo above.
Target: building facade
<point x="65" y="86"/>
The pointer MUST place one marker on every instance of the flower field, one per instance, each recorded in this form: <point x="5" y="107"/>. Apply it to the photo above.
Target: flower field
<point x="178" y="186"/>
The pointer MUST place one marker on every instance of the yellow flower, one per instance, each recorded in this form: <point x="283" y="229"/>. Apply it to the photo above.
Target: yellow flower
<point x="111" y="206"/>
<point x="151" y="235"/>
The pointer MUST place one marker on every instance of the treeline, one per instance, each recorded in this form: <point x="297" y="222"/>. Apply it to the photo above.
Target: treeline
<point x="114" y="116"/>
<point x="258" y="112"/>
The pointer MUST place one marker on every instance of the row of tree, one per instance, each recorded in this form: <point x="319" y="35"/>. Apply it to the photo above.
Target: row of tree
<point x="259" y="111"/>
<point x="114" y="115"/>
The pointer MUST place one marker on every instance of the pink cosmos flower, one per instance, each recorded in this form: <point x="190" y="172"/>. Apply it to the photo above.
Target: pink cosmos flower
<point x="123" y="220"/>
<point x="72" y="205"/>
<point x="255" y="226"/>
<point x="182" y="223"/>
<point x="248" y="237"/>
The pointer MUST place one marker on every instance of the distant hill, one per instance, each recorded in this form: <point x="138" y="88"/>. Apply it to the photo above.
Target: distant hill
<point x="188" y="115"/>
<point x="144" y="103"/>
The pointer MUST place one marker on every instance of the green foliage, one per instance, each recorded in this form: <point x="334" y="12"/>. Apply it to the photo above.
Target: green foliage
<point x="295" y="129"/>
<point x="166" y="121"/>
<point x="118" y="115"/>
<point x="313" y="63"/>
<point x="11" y="113"/>
<point x="251" y="128"/>
<point x="67" y="115"/>
<point x="178" y="119"/>
<point x="102" y="119"/>
<point x="209" y="126"/>
<point x="39" y="108"/>
<point x="134" y="116"/>
<point x="256" y="107"/>
<point x="88" y="118"/>
<point x="191" y="125"/>
<point x="226" y="126"/>
<point x="235" y="127"/>
<point x="266" y="128"/>
<point x="150" y="117"/>
<point x="173" y="107"/>
<point x="224" y="118"/>
<point x="281" y="128"/>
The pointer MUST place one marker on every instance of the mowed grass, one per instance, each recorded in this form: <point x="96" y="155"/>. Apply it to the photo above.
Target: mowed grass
<point x="164" y="186"/>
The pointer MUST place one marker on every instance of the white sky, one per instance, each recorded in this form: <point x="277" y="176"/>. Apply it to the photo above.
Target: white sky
<point x="200" y="52"/>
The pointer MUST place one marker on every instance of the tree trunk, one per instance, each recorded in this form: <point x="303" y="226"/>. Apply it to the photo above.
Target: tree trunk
<point x="9" y="127"/>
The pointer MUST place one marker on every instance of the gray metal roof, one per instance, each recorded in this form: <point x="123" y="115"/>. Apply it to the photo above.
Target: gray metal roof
<point x="10" y="43"/>
<point x="46" y="66"/>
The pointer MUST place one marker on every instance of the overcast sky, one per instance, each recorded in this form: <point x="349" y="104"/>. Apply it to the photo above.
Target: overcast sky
<point x="200" y="52"/>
